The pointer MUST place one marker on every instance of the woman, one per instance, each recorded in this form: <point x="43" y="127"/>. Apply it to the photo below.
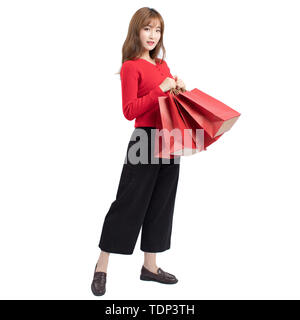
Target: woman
<point x="147" y="189"/>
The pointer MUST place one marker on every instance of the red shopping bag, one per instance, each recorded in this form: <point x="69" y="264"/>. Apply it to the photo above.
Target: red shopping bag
<point x="190" y="111"/>
<point x="191" y="119"/>
<point x="175" y="136"/>
<point x="212" y="115"/>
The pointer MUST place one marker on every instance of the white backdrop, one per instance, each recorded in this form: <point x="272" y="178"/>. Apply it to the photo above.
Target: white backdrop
<point x="236" y="220"/>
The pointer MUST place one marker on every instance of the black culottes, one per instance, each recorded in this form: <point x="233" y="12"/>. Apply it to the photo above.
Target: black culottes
<point x="145" y="200"/>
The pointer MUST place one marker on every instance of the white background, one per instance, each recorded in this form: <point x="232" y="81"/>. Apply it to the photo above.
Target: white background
<point x="63" y="139"/>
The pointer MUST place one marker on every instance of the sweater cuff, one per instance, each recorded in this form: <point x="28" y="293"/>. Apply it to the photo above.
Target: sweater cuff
<point x="156" y="92"/>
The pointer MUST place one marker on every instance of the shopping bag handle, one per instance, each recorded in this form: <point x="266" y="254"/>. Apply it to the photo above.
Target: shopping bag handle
<point x="174" y="91"/>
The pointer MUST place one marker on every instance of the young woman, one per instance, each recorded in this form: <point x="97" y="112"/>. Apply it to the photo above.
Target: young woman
<point x="147" y="189"/>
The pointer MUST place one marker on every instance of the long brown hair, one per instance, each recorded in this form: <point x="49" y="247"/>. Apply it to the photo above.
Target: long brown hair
<point x="132" y="48"/>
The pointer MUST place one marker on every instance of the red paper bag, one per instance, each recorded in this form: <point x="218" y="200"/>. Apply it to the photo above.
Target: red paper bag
<point x="175" y="137"/>
<point x="212" y="115"/>
<point x="189" y="112"/>
<point x="191" y="119"/>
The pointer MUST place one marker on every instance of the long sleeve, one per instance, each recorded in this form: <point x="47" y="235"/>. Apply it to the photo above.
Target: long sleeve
<point x="132" y="105"/>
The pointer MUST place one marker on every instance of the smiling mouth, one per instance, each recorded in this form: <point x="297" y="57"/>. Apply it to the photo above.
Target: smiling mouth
<point x="150" y="42"/>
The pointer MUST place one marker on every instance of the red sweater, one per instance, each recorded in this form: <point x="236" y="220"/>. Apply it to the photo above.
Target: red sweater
<point x="140" y="80"/>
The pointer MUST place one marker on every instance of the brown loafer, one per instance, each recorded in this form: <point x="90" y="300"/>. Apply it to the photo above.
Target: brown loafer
<point x="99" y="283"/>
<point x="161" y="276"/>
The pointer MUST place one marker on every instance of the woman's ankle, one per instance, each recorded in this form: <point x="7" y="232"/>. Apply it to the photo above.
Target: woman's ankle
<point x="151" y="268"/>
<point x="101" y="268"/>
<point x="102" y="262"/>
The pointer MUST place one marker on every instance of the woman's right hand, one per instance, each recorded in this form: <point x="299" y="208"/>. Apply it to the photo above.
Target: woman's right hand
<point x="168" y="84"/>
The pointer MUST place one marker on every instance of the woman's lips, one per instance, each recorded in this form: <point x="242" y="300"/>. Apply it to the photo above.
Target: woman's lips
<point x="150" y="43"/>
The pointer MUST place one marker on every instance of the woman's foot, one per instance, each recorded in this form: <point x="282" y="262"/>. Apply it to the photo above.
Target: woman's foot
<point x="158" y="276"/>
<point x="98" y="285"/>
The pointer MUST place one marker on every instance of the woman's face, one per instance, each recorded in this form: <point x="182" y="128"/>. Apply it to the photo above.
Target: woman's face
<point x="150" y="33"/>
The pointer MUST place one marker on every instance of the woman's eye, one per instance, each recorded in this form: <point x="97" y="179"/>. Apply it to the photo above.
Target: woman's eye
<point x="146" y="29"/>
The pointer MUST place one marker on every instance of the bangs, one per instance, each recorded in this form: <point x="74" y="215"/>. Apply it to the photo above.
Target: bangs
<point x="153" y="21"/>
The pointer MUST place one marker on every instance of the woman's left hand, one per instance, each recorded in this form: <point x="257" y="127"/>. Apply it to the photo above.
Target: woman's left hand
<point x="179" y="83"/>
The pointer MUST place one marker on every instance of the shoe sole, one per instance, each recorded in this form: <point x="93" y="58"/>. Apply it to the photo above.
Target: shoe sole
<point x="97" y="293"/>
<point x="145" y="278"/>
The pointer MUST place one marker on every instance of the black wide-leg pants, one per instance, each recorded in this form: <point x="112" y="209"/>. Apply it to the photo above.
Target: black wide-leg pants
<point x="145" y="199"/>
